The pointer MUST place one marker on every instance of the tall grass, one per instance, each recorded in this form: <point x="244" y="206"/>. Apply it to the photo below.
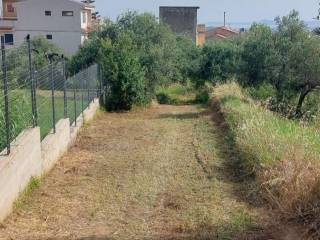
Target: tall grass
<point x="283" y="155"/>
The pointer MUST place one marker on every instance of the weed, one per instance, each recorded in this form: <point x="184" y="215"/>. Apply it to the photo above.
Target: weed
<point x="34" y="184"/>
<point x="284" y="155"/>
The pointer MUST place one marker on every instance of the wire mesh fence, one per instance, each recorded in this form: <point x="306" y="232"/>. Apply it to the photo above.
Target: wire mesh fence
<point x="40" y="95"/>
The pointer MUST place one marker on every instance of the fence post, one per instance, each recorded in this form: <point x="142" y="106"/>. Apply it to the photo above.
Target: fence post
<point x="52" y="98"/>
<point x="34" y="114"/>
<point x="65" y="106"/>
<point x="5" y="92"/>
<point x="99" y="80"/>
<point x="74" y="100"/>
<point x="35" y="84"/>
<point x="87" y="86"/>
<point x="82" y="103"/>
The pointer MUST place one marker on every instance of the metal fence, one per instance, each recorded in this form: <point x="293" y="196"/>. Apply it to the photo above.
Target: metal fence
<point x="34" y="96"/>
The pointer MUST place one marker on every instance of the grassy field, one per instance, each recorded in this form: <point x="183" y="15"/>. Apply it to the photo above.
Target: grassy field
<point x="282" y="155"/>
<point x="179" y="94"/>
<point x="20" y="111"/>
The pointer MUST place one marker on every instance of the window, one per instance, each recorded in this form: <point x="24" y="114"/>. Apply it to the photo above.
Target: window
<point x="47" y="13"/>
<point x="49" y="36"/>
<point x="10" y="8"/>
<point x="67" y="13"/>
<point x="8" y="38"/>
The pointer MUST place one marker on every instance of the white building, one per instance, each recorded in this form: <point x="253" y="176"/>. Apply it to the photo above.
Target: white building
<point x="64" y="22"/>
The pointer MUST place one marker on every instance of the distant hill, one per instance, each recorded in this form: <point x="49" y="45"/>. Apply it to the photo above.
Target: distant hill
<point x="270" y="23"/>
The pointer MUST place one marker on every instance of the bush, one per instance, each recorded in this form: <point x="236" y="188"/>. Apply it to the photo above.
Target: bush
<point x="126" y="82"/>
<point x="162" y="57"/>
<point x="218" y="62"/>
<point x="262" y="92"/>
<point x="164" y="98"/>
<point x="202" y="97"/>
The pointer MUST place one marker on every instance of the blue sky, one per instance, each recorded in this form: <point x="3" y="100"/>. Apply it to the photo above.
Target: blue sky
<point x="212" y="10"/>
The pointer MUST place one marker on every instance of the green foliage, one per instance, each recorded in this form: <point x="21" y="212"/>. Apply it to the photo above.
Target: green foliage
<point x="125" y="75"/>
<point x="218" y="62"/>
<point x="176" y="94"/>
<point x="182" y="94"/>
<point x="202" y="97"/>
<point x="284" y="62"/>
<point x="43" y="47"/>
<point x="18" y="59"/>
<point x="262" y="92"/>
<point x="157" y="57"/>
<point x="257" y="56"/>
<point x="188" y="59"/>
<point x="263" y="137"/>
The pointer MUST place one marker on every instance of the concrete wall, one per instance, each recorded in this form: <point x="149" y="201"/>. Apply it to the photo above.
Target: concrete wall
<point x="17" y="168"/>
<point x="55" y="145"/>
<point x="32" y="158"/>
<point x="182" y="20"/>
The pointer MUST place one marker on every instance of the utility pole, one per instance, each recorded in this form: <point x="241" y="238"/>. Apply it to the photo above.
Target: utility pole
<point x="224" y="19"/>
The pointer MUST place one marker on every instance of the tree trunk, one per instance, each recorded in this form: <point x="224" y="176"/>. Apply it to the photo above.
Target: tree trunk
<point x="302" y="97"/>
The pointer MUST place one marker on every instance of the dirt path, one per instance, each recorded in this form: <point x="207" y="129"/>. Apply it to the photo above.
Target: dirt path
<point x="153" y="174"/>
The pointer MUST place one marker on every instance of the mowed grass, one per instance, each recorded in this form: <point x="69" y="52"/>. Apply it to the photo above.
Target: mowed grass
<point x="155" y="173"/>
<point x="20" y="112"/>
<point x="282" y="155"/>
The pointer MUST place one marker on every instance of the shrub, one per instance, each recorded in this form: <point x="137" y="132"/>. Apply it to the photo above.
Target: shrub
<point x="121" y="67"/>
<point x="218" y="62"/>
<point x="164" y="98"/>
<point x="262" y="92"/>
<point x="202" y="97"/>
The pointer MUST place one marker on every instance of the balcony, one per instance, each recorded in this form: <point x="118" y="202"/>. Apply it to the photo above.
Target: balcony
<point x="6" y="23"/>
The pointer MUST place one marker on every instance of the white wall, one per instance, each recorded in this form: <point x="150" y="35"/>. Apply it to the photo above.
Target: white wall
<point x="69" y="42"/>
<point x="84" y="19"/>
<point x="66" y="30"/>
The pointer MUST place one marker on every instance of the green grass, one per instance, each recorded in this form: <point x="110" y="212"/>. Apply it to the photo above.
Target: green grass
<point x="263" y="137"/>
<point x="20" y="112"/>
<point x="45" y="120"/>
<point x="178" y="94"/>
<point x="34" y="184"/>
<point x="282" y="155"/>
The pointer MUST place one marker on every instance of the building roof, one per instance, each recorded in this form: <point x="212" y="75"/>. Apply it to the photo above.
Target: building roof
<point x="180" y="7"/>
<point x="225" y="28"/>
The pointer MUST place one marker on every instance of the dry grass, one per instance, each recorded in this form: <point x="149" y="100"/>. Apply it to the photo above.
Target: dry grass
<point x="149" y="174"/>
<point x="282" y="155"/>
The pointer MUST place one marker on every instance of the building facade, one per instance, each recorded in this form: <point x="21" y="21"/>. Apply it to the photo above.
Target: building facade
<point x="182" y="20"/>
<point x="66" y="23"/>
<point x="201" y="34"/>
